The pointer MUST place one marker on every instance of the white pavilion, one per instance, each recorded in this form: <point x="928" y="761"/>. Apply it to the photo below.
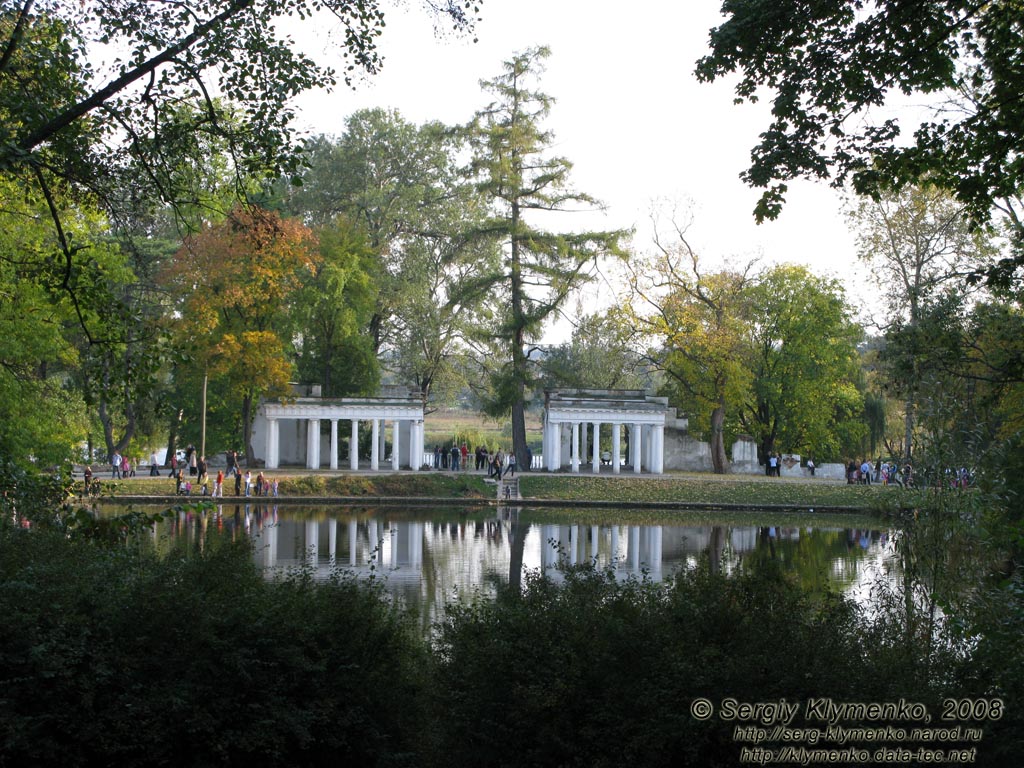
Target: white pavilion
<point x="633" y="415"/>
<point x="288" y="431"/>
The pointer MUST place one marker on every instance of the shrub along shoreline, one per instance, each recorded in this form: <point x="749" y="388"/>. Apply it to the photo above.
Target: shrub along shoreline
<point x="675" y="491"/>
<point x="113" y="656"/>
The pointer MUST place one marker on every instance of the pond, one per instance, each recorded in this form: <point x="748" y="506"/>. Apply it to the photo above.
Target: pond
<point x="430" y="557"/>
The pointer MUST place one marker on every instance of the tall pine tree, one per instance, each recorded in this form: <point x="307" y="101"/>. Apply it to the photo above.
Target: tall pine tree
<point x="539" y="270"/>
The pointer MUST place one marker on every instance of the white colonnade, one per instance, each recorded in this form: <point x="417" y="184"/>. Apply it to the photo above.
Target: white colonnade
<point x="637" y="426"/>
<point x="301" y="418"/>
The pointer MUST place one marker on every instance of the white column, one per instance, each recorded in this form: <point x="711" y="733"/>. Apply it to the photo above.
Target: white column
<point x="655" y="552"/>
<point x="649" y="447"/>
<point x="353" y="447"/>
<point x="334" y="443"/>
<point x="658" y="464"/>
<point x="545" y="439"/>
<point x="553" y="458"/>
<point x="415" y="453"/>
<point x="374" y="542"/>
<point x="332" y="540"/>
<point x="353" y="532"/>
<point x="375" y="445"/>
<point x="616" y="447"/>
<point x="313" y="444"/>
<point x="596" y="458"/>
<point x="273" y="444"/>
<point x="636" y="444"/>
<point x="575" y="459"/>
<point x="312" y="542"/>
<point x="268" y="449"/>
<point x="396" y="428"/>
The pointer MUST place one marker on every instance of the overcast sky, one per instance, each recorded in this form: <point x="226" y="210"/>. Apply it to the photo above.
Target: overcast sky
<point x="629" y="114"/>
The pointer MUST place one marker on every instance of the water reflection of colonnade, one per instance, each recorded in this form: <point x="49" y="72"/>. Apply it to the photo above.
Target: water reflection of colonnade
<point x="465" y="551"/>
<point x="640" y="550"/>
<point x="429" y="562"/>
<point x="404" y="549"/>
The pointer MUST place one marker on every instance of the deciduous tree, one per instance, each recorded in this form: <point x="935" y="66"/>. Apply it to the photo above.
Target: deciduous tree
<point x="236" y="282"/>
<point x="331" y="312"/>
<point x="803" y="360"/>
<point x="696" y="324"/>
<point x="915" y="243"/>
<point x="831" y="68"/>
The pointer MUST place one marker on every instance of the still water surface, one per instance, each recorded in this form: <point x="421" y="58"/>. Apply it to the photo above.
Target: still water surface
<point x="428" y="558"/>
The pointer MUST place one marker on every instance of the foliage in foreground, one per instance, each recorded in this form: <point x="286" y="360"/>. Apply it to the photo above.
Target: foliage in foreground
<point x="108" y="656"/>
<point x="113" y="658"/>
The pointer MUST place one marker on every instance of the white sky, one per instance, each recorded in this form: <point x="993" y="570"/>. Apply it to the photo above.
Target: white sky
<point x="629" y="114"/>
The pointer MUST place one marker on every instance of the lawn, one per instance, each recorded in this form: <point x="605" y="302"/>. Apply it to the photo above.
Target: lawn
<point x="671" y="489"/>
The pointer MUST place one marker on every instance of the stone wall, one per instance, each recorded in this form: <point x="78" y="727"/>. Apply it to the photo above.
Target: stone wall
<point x="686" y="453"/>
<point x="682" y="451"/>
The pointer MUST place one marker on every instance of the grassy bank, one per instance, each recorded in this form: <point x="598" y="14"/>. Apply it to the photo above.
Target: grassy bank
<point x="693" y="489"/>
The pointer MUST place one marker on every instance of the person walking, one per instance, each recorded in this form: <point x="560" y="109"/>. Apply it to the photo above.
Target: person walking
<point x="510" y="468"/>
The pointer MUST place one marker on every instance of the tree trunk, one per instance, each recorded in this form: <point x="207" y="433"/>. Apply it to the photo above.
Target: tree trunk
<point x="908" y="425"/>
<point x="515" y="563"/>
<point x="716" y="545"/>
<point x="116" y="445"/>
<point x="519" y="361"/>
<point x="519" y="435"/>
<point x="719" y="461"/>
<point x="172" y="444"/>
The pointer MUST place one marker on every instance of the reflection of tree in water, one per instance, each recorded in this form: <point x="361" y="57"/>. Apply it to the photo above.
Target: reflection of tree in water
<point x="819" y="559"/>
<point x="940" y="561"/>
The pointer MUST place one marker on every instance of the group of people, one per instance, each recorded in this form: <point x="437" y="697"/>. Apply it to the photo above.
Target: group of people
<point x="884" y="472"/>
<point x="258" y="485"/>
<point x="122" y="467"/>
<point x="497" y="463"/>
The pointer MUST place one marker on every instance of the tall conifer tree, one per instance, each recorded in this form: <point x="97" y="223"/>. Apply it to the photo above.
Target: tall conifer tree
<point x="539" y="270"/>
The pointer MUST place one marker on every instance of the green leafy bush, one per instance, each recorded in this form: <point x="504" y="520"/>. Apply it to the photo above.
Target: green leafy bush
<point x="112" y="658"/>
<point x="600" y="672"/>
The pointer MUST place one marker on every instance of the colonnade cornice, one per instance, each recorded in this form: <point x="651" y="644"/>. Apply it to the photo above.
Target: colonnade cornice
<point x="616" y="417"/>
<point x="342" y="412"/>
